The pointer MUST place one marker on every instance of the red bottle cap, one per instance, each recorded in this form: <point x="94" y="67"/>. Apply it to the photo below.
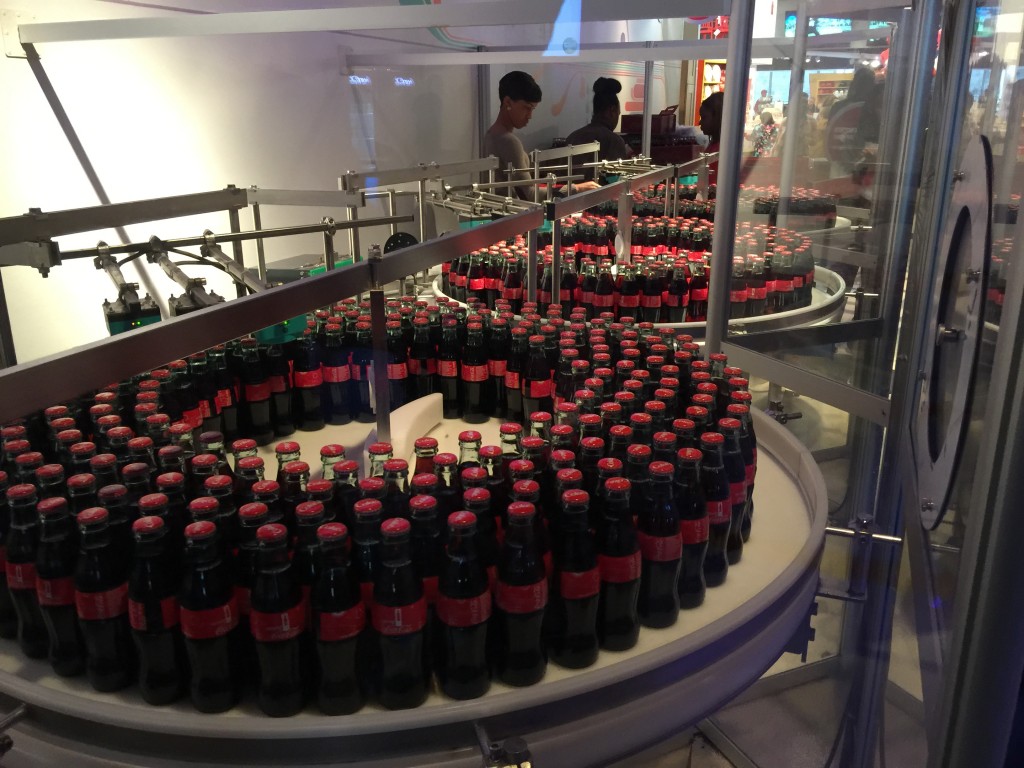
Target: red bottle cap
<point x="510" y="428"/>
<point x="617" y="484"/>
<point x="80" y="482"/>
<point x="423" y="502"/>
<point x="621" y="430"/>
<point x="111" y="493"/>
<point x="50" y="472"/>
<point x="712" y="438"/>
<point x="521" y="509"/>
<point x="288" y="446"/>
<point x="470" y="436"/>
<point x="738" y="409"/>
<point x="476" y="496"/>
<point x="203" y="504"/>
<point x="92" y="516"/>
<point x="742" y="397"/>
<point x="332" y="532"/>
<point x="204" y="460"/>
<point x="640" y="374"/>
<point x="157" y="419"/>
<point x="180" y="428"/>
<point x="72" y="436"/>
<point x="424" y="479"/>
<point x="445" y="459"/>
<point x="396" y="465"/>
<point x="425" y="443"/>
<point x="250" y="462"/>
<point x="332" y="451"/>
<point x="120" y="433"/>
<point x="21" y="491"/>
<point x="243" y="444"/>
<point x="346" y="466"/>
<point x="541" y="416"/>
<point x="562" y="456"/>
<point x="379" y="449"/>
<point x="590" y="419"/>
<point x="655" y="405"/>
<point x="395" y="526"/>
<point x="568" y="475"/>
<point x="252" y="509"/>
<point x="643" y="419"/>
<point x="148" y="524"/>
<point x="610" y="464"/>
<point x="367" y="507"/>
<point x="533" y="443"/>
<point x="140" y="443"/>
<point x="272" y="533"/>
<point x="703" y="400"/>
<point x="319" y="485"/>
<point x="309" y="509"/>
<point x="698" y="412"/>
<point x="461" y="519"/>
<point x="136" y="469"/>
<point x="520" y="466"/>
<point x="728" y="424"/>
<point x="525" y="487"/>
<point x="168" y="479"/>
<point x="52" y="506"/>
<point x="661" y="468"/>
<point x="204" y="529"/>
<point x="153" y="501"/>
<point x="473" y="474"/>
<point x="56" y="412"/>
<point x="490" y="452"/>
<point x="637" y="451"/>
<point x="296" y="468"/>
<point x="217" y="482"/>
<point x="371" y="485"/>
<point x="266" y="487"/>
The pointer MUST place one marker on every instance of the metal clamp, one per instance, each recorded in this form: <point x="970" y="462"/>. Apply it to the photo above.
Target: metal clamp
<point x="6" y="742"/>
<point x="513" y="752"/>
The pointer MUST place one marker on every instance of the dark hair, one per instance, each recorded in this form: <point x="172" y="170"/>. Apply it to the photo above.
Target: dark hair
<point x="519" y="86"/>
<point x="767" y="118"/>
<point x="605" y="89"/>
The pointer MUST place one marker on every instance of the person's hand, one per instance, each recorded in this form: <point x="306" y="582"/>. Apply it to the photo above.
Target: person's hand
<point x="585" y="186"/>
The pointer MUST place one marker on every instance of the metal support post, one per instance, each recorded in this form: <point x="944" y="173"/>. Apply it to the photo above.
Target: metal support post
<point x="261" y="256"/>
<point x="531" y="265"/>
<point x="625" y="226"/>
<point x="645" y="141"/>
<point x="380" y="394"/>
<point x="556" y="263"/>
<point x="7" y="352"/>
<point x="795" y="131"/>
<point x="328" y="246"/>
<point x="236" y="247"/>
<point x="353" y="215"/>
<point x="421" y="202"/>
<point x="741" y="28"/>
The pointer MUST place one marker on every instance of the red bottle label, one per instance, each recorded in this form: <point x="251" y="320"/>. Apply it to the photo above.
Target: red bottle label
<point x="512" y="380"/>
<point x="430" y="589"/>
<point x="784" y="286"/>
<point x="426" y="367"/>
<point x="738" y="493"/>
<point x="586" y="297"/>
<point x="366" y="592"/>
<point x="738" y="297"/>
<point x="255" y="393"/>
<point x="660" y="549"/>
<point x="225" y="399"/>
<point x="496" y="367"/>
<point x="20" y="575"/>
<point x="512" y="294"/>
<point x="341" y="625"/>
<point x="606" y="300"/>
<point x="670" y="299"/>
<point x="109" y="604"/>
<point x="524" y="599"/>
<point x="243" y="599"/>
<point x="756" y="294"/>
<point x="694" y="531"/>
<point x="636" y="250"/>
<point x="460" y="281"/>
<point x="719" y="512"/>
<point x="769" y="286"/>
<point x="565" y="294"/>
<point x="464" y="612"/>
<point x="629" y="301"/>
<point x="492" y="284"/>
<point x="619" y="570"/>
<point x="474" y="373"/>
<point x="336" y="374"/>
<point x="650" y="302"/>
<point x="278" y="626"/>
<point x="356" y="372"/>
<point x="209" y="623"/>
<point x="308" y="379"/>
<point x="402" y="620"/>
<point x="477" y="284"/>
<point x="798" y="281"/>
<point x="193" y="417"/>
<point x="449" y="369"/>
<point x="397" y="371"/>
<point x="168" y="615"/>
<point x="278" y="384"/>
<point x="539" y="389"/>
<point x="578" y="585"/>
<point x="59" y="591"/>
<point x="601" y="250"/>
<point x="699" y="294"/>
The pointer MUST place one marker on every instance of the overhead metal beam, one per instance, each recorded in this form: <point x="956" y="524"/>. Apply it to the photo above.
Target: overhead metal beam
<point x="366" y="18"/>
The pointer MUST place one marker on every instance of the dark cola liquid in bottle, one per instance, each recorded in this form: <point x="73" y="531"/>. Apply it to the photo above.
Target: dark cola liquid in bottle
<point x="717" y="499"/>
<point x="618" y="623"/>
<point x="8" y="617"/>
<point x="693" y="527"/>
<point x="101" y="597"/>
<point x="339" y="618"/>
<point x="20" y="569"/>
<point x="255" y="415"/>
<point x="576" y="591"/>
<point x="514" y="375"/>
<point x="537" y="387"/>
<point x="522" y="597"/>
<point x="448" y="358"/>
<point x="336" y="397"/>
<point x="307" y="379"/>
<point x="153" y="614"/>
<point x="276" y="620"/>
<point x="661" y="549"/>
<point x="463" y="612"/>
<point x="477" y="387"/>
<point x="748" y="448"/>
<point x="399" y="614"/>
<point x="55" y="586"/>
<point x="735" y="470"/>
<point x="209" y="618"/>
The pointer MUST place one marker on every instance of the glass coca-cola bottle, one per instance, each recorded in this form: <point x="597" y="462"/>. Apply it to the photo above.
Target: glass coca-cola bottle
<point x="717" y="497"/>
<point x="735" y="470"/>
<point x="255" y="415"/>
<point x="399" y="616"/>
<point x="336" y="392"/>
<point x="449" y="489"/>
<point x="55" y="586"/>
<point x="282" y="395"/>
<point x="8" y="618"/>
<point x="449" y="355"/>
<point x="513" y="375"/>
<point x="422" y="361"/>
<point x="463" y="611"/>
<point x="618" y="623"/>
<point x="276" y="621"/>
<point x="748" y="449"/>
<point x="396" y="488"/>
<point x="307" y="380"/>
<point x="572" y="624"/>
<point x="361" y="369"/>
<point x="153" y="614"/>
<point x="20" y="568"/>
<point x="101" y="599"/>
<point x="660" y="551"/>
<point x="537" y="387"/>
<point x="521" y="598"/>
<point x="209" y="621"/>
<point x="693" y="523"/>
<point x="477" y="389"/>
<point x="512" y="285"/>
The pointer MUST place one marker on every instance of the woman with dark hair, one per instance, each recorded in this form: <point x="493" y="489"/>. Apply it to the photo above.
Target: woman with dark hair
<point x="603" y="122"/>
<point x="518" y="96"/>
